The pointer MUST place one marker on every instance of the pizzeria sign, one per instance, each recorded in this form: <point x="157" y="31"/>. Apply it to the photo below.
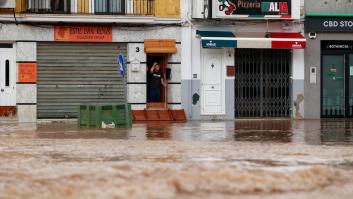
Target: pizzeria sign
<point x="253" y="8"/>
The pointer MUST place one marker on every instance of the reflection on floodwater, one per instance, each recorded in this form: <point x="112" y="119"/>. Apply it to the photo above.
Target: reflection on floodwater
<point x="336" y="131"/>
<point x="284" y="131"/>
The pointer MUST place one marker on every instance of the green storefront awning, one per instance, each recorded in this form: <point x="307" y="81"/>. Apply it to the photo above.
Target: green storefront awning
<point x="217" y="39"/>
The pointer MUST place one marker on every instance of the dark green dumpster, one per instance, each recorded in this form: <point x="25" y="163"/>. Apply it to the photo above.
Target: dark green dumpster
<point x="93" y="116"/>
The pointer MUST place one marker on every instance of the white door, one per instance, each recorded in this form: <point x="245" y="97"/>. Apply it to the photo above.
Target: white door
<point x="7" y="78"/>
<point x="211" y="85"/>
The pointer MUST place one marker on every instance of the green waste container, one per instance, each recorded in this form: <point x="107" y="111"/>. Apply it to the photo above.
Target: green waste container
<point x="92" y="116"/>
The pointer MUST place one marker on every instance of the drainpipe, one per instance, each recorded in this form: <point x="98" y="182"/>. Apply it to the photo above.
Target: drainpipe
<point x="191" y="77"/>
<point x="191" y="54"/>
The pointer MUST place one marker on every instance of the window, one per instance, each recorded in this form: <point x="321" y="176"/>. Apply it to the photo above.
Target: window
<point x="7" y="73"/>
<point x="109" y="6"/>
<point x="49" y="6"/>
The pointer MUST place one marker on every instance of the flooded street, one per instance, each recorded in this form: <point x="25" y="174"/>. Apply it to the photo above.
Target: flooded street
<point x="234" y="159"/>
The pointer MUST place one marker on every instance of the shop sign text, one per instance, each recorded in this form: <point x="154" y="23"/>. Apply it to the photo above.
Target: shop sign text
<point x="255" y="7"/>
<point x="83" y="33"/>
<point x="328" y="24"/>
<point x="337" y="45"/>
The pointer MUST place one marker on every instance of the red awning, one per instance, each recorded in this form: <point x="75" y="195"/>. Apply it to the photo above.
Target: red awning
<point x="287" y="40"/>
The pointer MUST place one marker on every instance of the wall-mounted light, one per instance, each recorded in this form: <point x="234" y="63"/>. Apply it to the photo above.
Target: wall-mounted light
<point x="230" y="51"/>
<point x="312" y="35"/>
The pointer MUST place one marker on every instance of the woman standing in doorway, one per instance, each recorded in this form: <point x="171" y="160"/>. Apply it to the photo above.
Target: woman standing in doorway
<point x="156" y="80"/>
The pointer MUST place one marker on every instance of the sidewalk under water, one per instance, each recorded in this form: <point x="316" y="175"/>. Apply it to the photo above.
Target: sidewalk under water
<point x="329" y="131"/>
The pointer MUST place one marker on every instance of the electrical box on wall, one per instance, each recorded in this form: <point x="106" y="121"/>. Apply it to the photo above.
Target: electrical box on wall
<point x="313" y="74"/>
<point x="7" y="3"/>
<point x="135" y="66"/>
<point x="202" y="9"/>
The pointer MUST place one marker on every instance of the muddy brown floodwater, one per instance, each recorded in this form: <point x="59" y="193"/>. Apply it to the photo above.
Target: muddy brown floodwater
<point x="238" y="159"/>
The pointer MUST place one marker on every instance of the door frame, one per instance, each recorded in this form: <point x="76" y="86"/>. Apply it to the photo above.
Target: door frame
<point x="220" y="53"/>
<point x="5" y="47"/>
<point x="164" y="94"/>
<point x="345" y="54"/>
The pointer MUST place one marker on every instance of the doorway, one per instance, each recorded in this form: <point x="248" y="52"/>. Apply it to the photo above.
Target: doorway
<point x="336" y="79"/>
<point x="262" y="83"/>
<point x="7" y="79"/>
<point x="162" y="101"/>
<point x="337" y="85"/>
<point x="212" y="86"/>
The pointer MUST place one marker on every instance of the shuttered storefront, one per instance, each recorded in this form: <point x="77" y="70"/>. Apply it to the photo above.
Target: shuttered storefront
<point x="70" y="74"/>
<point x="262" y="83"/>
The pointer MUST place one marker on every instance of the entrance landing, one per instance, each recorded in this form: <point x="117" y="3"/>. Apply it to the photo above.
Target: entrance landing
<point x="6" y="111"/>
<point x="158" y="115"/>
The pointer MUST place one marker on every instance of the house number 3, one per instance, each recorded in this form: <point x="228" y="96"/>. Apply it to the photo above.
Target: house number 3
<point x="137" y="49"/>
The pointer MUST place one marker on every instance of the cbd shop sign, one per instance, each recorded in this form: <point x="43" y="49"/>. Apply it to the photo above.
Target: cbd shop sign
<point x="329" y="24"/>
<point x="253" y="8"/>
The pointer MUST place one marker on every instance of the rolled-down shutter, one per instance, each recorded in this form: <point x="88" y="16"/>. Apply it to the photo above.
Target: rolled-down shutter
<point x="71" y="74"/>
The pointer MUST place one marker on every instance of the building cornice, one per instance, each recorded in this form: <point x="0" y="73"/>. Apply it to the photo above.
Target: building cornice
<point x="89" y="19"/>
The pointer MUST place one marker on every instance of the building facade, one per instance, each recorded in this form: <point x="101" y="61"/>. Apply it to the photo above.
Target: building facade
<point x="224" y="59"/>
<point x="58" y="54"/>
<point x="329" y="59"/>
<point x="243" y="59"/>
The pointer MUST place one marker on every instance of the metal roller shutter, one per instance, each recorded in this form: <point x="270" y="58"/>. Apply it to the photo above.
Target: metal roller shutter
<point x="70" y="74"/>
<point x="262" y="83"/>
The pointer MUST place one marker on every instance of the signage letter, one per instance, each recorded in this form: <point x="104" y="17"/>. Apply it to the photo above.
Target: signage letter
<point x="272" y="8"/>
<point x="265" y="7"/>
<point x="283" y="6"/>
